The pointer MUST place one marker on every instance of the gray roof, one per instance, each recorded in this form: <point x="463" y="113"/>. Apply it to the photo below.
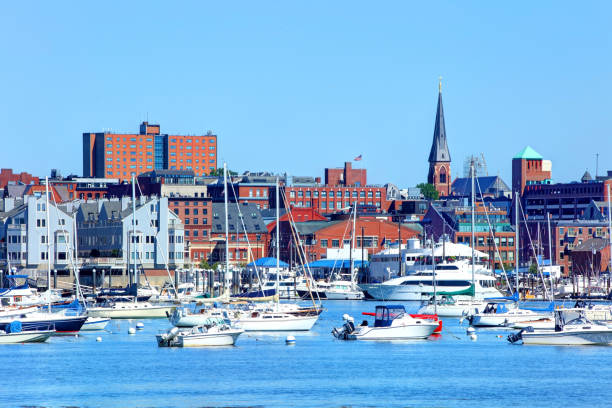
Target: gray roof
<point x="591" y="244"/>
<point x="488" y="185"/>
<point x="310" y="227"/>
<point x="586" y="177"/>
<point x="439" y="149"/>
<point x="253" y="222"/>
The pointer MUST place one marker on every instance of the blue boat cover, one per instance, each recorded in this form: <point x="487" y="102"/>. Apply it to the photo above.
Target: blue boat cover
<point x="15" y="327"/>
<point x="268" y="263"/>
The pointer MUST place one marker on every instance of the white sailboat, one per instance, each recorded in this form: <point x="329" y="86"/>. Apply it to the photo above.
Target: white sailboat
<point x="276" y="320"/>
<point x="342" y="289"/>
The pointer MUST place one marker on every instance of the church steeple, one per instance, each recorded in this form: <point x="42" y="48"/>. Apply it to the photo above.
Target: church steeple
<point x="439" y="149"/>
<point x="439" y="156"/>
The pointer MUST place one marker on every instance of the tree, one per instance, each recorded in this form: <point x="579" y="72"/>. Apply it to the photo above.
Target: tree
<point x="429" y="191"/>
<point x="219" y="172"/>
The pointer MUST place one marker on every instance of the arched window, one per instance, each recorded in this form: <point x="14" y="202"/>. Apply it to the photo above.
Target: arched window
<point x="442" y="175"/>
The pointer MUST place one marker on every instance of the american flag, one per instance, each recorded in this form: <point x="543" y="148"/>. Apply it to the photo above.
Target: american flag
<point x="357" y="158"/>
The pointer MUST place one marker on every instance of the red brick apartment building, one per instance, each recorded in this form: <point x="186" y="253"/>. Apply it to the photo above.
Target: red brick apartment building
<point x="121" y="156"/>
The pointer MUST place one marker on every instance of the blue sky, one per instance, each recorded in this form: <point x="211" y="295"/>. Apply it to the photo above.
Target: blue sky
<point x="298" y="86"/>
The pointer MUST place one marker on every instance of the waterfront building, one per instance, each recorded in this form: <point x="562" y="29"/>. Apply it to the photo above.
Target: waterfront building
<point x="121" y="156"/>
<point x="439" y="156"/>
<point x="107" y="240"/>
<point x="23" y="234"/>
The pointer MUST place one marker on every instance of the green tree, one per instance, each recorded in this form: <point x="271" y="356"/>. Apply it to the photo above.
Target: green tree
<point x="429" y="191"/>
<point x="219" y="172"/>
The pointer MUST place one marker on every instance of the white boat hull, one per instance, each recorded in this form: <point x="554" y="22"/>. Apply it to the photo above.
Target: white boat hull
<point x="26" y="337"/>
<point x="344" y="295"/>
<point x="568" y="338"/>
<point x="506" y="319"/>
<point x="456" y="310"/>
<point x="407" y="332"/>
<point x="149" y="312"/>
<point x="95" y="323"/>
<point x="204" y="340"/>
<point x="293" y="323"/>
<point x="381" y="291"/>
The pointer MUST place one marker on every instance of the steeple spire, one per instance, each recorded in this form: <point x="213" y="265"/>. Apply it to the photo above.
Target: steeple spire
<point x="439" y="149"/>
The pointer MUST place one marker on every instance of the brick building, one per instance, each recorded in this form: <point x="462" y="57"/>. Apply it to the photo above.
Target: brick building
<point x="122" y="156"/>
<point x="456" y="222"/>
<point x="7" y="176"/>
<point x="529" y="168"/>
<point x="318" y="236"/>
<point x="347" y="176"/>
<point x="329" y="199"/>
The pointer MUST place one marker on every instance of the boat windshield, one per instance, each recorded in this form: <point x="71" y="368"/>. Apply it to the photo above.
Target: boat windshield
<point x="386" y="314"/>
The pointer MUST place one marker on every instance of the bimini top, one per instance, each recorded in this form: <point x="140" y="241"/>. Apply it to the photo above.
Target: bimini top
<point x="386" y="314"/>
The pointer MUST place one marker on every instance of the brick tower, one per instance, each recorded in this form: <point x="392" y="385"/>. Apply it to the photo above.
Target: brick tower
<point x="439" y="156"/>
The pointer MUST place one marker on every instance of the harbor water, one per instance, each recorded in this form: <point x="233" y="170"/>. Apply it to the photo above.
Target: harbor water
<point x="318" y="371"/>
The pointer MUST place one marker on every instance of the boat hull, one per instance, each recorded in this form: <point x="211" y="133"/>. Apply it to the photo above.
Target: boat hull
<point x="60" y="324"/>
<point x="407" y="332"/>
<point x="505" y="319"/>
<point x="95" y="323"/>
<point x="26" y="337"/>
<point x="295" y="323"/>
<point x="590" y="338"/>
<point x="457" y="310"/>
<point x="150" y="312"/>
<point x="341" y="295"/>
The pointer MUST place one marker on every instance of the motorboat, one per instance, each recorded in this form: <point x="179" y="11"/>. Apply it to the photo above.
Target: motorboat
<point x="313" y="288"/>
<point x="13" y="334"/>
<point x="216" y="332"/>
<point x="448" y="306"/>
<point x="391" y="323"/>
<point x="497" y="314"/>
<point x="344" y="290"/>
<point x="258" y="320"/>
<point x="572" y="328"/>
<point x="95" y="323"/>
<point x="125" y="308"/>
<point x="185" y="317"/>
<point x="450" y="277"/>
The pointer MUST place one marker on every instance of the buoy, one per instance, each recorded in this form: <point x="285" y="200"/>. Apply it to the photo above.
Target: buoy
<point x="473" y="336"/>
<point x="470" y="330"/>
<point x="132" y="330"/>
<point x="499" y="336"/>
<point x="98" y="338"/>
<point x="76" y="336"/>
<point x="290" y="340"/>
<point x="140" y="325"/>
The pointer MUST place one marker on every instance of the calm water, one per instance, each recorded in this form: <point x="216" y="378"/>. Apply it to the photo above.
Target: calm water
<point x="319" y="371"/>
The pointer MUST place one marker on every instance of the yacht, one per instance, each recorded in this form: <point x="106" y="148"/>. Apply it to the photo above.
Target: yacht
<point x="344" y="290"/>
<point x="391" y="323"/>
<point x="385" y="264"/>
<point x="450" y="277"/>
<point x="257" y="320"/>
<point x="572" y="328"/>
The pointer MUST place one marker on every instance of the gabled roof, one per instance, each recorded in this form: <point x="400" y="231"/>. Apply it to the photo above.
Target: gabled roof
<point x="528" y="153"/>
<point x="488" y="185"/>
<point x="592" y="244"/>
<point x="439" y="149"/>
<point x="310" y="227"/>
<point x="586" y="177"/>
<point x="253" y="222"/>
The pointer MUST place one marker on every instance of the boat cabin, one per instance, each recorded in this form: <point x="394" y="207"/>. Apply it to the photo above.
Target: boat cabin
<point x="386" y="314"/>
<point x="495" y="308"/>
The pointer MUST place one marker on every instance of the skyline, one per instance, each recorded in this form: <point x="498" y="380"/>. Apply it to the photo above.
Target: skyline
<point x="329" y="83"/>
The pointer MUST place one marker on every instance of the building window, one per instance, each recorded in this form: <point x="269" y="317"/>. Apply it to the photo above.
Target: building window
<point x="335" y="243"/>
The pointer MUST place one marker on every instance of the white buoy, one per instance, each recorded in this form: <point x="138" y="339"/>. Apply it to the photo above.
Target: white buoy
<point x="98" y="338"/>
<point x="470" y="330"/>
<point x="473" y="336"/>
<point x="290" y="340"/>
<point x="132" y="330"/>
<point x="140" y="325"/>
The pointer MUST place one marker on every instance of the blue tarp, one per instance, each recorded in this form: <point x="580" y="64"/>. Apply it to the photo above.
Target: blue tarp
<point x="268" y="263"/>
<point x="337" y="263"/>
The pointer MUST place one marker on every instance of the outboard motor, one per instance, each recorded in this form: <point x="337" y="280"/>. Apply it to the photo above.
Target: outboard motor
<point x="516" y="337"/>
<point x="166" y="338"/>
<point x="347" y="328"/>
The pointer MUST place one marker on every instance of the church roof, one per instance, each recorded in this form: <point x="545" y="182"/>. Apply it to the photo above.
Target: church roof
<point x="439" y="149"/>
<point x="528" y="153"/>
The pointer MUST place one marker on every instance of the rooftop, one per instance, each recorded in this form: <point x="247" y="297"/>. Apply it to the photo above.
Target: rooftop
<point x="528" y="153"/>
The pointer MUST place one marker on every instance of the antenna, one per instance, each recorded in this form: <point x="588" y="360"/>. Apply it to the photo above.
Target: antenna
<point x="596" y="165"/>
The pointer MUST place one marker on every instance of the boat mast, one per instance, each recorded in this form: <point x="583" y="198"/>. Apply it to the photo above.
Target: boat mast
<point x="353" y="244"/>
<point x="134" y="234"/>
<point x="433" y="270"/>
<point x="48" y="243"/>
<point x="473" y="233"/>
<point x="516" y="244"/>
<point x="550" y="270"/>
<point x="226" y="225"/>
<point x="277" y="246"/>
<point x="77" y="272"/>
<point x="610" y="226"/>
